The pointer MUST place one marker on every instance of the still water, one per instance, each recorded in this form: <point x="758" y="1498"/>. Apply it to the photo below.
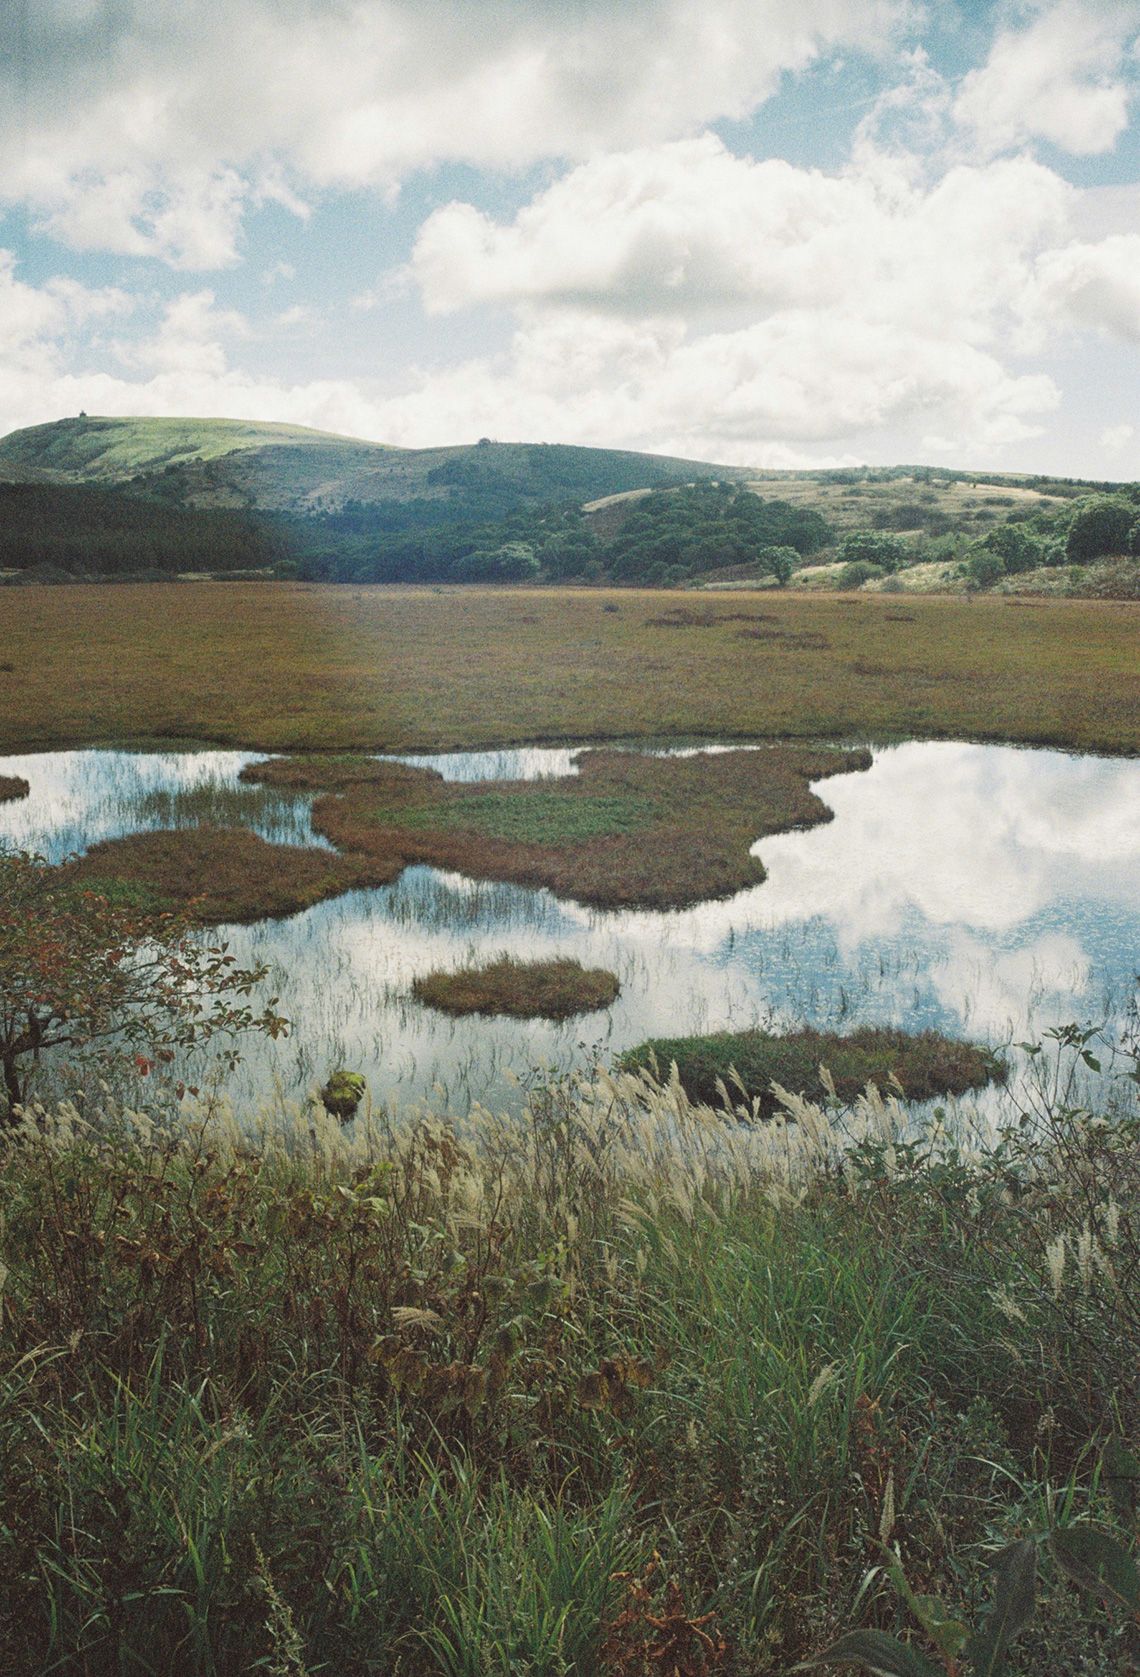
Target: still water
<point x="990" y="891"/>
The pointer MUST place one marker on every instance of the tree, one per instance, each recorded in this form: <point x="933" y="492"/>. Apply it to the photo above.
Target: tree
<point x="1100" y="526"/>
<point x="512" y="562"/>
<point x="984" y="569"/>
<point x="872" y="547"/>
<point x="855" y="574"/>
<point x="779" y="562"/>
<point x="1017" y="547"/>
<point x="82" y="973"/>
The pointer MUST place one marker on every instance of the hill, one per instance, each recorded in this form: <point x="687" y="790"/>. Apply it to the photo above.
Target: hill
<point x="287" y="468"/>
<point x="95" y="450"/>
<point x="101" y="497"/>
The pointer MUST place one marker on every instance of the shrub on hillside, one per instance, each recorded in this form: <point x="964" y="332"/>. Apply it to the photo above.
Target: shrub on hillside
<point x="873" y="547"/>
<point x="779" y="562"/>
<point x="857" y="573"/>
<point x="983" y="569"/>
<point x="1101" y="525"/>
<point x="1018" y="548"/>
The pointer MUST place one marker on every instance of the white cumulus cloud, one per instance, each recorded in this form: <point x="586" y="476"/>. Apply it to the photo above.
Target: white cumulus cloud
<point x="1091" y="285"/>
<point x="1064" y="77"/>
<point x="690" y="229"/>
<point x="147" y="126"/>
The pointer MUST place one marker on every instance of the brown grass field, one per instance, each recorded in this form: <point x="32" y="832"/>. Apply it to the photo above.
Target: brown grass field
<point x="294" y="666"/>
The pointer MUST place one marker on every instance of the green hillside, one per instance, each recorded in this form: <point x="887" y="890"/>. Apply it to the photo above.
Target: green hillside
<point x="99" y="497"/>
<point x="111" y="450"/>
<point x="286" y="468"/>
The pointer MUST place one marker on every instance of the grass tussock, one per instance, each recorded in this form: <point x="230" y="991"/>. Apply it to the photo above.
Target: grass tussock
<point x="714" y="1068"/>
<point x="658" y="832"/>
<point x="334" y="773"/>
<point x="219" y="873"/>
<point x="621" y="1387"/>
<point x="13" y="786"/>
<point x="554" y="989"/>
<point x="418" y="669"/>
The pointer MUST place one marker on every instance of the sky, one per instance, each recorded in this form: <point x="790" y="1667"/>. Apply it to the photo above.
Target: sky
<point x="742" y="231"/>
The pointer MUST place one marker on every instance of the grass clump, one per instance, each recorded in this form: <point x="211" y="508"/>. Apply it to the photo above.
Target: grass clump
<point x="923" y="1065"/>
<point x="333" y="773"/>
<point x="13" y="786"/>
<point x="554" y="989"/>
<point x="217" y="873"/>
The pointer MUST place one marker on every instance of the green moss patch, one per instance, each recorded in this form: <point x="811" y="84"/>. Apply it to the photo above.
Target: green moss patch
<point x="540" y="817"/>
<point x="925" y="1064"/>
<point x="12" y="786"/>
<point x="522" y="989"/>
<point x="218" y="873"/>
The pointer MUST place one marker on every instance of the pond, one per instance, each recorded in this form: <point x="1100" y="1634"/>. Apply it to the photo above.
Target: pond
<point x="987" y="891"/>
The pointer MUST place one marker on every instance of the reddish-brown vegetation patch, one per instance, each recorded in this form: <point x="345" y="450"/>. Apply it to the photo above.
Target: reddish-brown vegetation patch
<point x="334" y="774"/>
<point x="12" y="786"/>
<point x="680" y="828"/>
<point x="554" y="989"/>
<point x="223" y="873"/>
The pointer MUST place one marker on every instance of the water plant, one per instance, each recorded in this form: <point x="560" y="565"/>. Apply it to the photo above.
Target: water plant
<point x="343" y="1093"/>
<point x="628" y="828"/>
<point x="218" y="873"/>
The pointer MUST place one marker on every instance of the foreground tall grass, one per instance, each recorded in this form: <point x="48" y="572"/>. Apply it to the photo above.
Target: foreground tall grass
<point x="630" y="1386"/>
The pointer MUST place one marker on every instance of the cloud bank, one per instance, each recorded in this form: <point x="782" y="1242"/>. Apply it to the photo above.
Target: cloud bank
<point x="632" y="265"/>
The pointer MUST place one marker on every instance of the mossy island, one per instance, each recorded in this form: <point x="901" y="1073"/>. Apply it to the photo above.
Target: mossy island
<point x="745" y="1064"/>
<point x="13" y="786"/>
<point x="217" y="874"/>
<point x="555" y="989"/>
<point x="629" y="830"/>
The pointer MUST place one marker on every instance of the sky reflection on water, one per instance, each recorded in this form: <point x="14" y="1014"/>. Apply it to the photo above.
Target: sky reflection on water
<point x="985" y="890"/>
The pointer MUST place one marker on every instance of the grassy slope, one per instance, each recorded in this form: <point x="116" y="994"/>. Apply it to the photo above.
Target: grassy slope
<point x="972" y="505"/>
<point x="108" y="450"/>
<point x="292" y="666"/>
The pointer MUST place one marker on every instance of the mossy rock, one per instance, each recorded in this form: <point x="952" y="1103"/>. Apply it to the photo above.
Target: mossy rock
<point x="343" y="1093"/>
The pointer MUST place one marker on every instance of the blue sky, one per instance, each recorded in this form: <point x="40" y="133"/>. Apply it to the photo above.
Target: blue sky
<point x="738" y="230"/>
